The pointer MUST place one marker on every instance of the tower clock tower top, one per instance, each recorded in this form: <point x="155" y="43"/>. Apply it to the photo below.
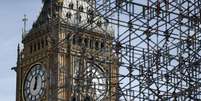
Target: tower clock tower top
<point x="74" y="13"/>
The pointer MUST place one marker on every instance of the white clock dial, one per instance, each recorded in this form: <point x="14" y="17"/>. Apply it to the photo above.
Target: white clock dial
<point x="35" y="81"/>
<point x="94" y="80"/>
<point x="97" y="80"/>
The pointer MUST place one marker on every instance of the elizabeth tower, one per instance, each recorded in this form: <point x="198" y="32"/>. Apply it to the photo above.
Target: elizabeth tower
<point x="67" y="55"/>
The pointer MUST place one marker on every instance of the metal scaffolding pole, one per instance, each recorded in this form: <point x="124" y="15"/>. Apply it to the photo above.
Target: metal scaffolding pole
<point x="157" y="44"/>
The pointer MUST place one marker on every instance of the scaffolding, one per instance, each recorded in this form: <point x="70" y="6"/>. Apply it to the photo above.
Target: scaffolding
<point x="157" y="44"/>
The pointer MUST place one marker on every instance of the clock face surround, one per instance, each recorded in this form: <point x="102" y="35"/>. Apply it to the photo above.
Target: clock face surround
<point x="94" y="80"/>
<point x="35" y="83"/>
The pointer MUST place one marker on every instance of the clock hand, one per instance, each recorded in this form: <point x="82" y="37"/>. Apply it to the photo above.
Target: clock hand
<point x="35" y="85"/>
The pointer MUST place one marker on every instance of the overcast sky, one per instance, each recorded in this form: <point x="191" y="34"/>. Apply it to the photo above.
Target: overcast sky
<point x="11" y="14"/>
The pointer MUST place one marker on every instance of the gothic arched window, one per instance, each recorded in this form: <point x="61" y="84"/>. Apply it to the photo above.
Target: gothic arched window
<point x="86" y="41"/>
<point x="35" y="47"/>
<point x="68" y="15"/>
<point x="97" y="45"/>
<point x="90" y="12"/>
<point x="88" y="98"/>
<point x="81" y="8"/>
<point x="39" y="45"/>
<point x="78" y="17"/>
<point x="42" y="43"/>
<point x="79" y="40"/>
<point x="102" y="45"/>
<point x="74" y="39"/>
<point x="99" y="23"/>
<point x="46" y="41"/>
<point x="91" y="43"/>
<point x="71" y="5"/>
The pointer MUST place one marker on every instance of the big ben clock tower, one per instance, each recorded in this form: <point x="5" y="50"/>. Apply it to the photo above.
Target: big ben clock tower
<point x="67" y="55"/>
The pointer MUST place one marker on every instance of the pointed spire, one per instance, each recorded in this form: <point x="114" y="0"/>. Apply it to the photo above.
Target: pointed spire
<point x="25" y="19"/>
<point x="18" y="49"/>
<point x="24" y="29"/>
<point x="18" y="58"/>
<point x="18" y="54"/>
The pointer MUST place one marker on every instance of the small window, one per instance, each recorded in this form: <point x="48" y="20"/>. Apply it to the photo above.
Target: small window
<point x="79" y="41"/>
<point x="99" y="23"/>
<point x="86" y="41"/>
<point x="91" y="43"/>
<point x="81" y="8"/>
<point x="79" y="17"/>
<point x="35" y="46"/>
<point x="46" y="42"/>
<point x="42" y="43"/>
<point x="68" y="15"/>
<point x="88" y="98"/>
<point x="38" y="45"/>
<point x="57" y="8"/>
<point x="74" y="40"/>
<point x="90" y="12"/>
<point x="71" y="5"/>
<point x="31" y="48"/>
<point x="73" y="98"/>
<point x="96" y="45"/>
<point x="102" y="45"/>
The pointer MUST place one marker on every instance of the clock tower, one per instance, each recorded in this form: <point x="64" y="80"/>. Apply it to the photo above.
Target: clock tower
<point x="67" y="55"/>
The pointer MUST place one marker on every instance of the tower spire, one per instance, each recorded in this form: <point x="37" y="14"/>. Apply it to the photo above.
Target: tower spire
<point x="18" y="58"/>
<point x="18" y="53"/>
<point x="24" y="30"/>
<point x="25" y="19"/>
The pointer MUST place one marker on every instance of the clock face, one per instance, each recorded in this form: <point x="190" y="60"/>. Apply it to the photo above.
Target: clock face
<point x="94" y="82"/>
<point x="35" y="82"/>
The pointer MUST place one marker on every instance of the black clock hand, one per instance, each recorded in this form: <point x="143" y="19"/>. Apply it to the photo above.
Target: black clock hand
<point x="35" y="85"/>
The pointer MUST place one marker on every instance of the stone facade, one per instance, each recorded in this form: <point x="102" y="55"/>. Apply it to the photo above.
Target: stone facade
<point x="68" y="54"/>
